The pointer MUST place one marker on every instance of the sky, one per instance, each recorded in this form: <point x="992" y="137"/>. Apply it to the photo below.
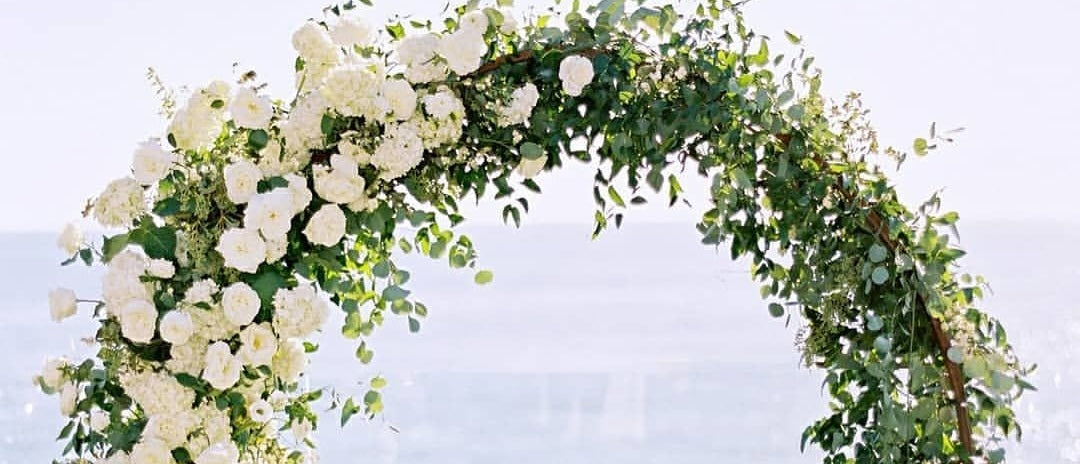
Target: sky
<point x="76" y="98"/>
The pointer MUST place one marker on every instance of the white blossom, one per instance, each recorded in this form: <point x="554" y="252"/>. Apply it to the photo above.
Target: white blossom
<point x="276" y="247"/>
<point x="270" y="212"/>
<point x="257" y="345"/>
<point x="327" y="226"/>
<point x="120" y="204"/>
<point x="260" y="411"/>
<point x="314" y="44"/>
<point x="157" y="392"/>
<point x="161" y="268"/>
<point x="224" y="452"/>
<point x="354" y="90"/>
<point x="417" y="53"/>
<point x="463" y="50"/>
<point x="351" y="31"/>
<point x="222" y="369"/>
<point x="400" y="98"/>
<point x="52" y="373"/>
<point x="298" y="312"/>
<point x="576" y="72"/>
<point x="400" y="151"/>
<point x="302" y="131"/>
<point x="301" y="196"/>
<point x="475" y="21"/>
<point x="241" y="303"/>
<point x="123" y="281"/>
<point x="69" y="398"/>
<point x="243" y="249"/>
<point x="70" y="239"/>
<point x="151" y="451"/>
<point x="242" y="181"/>
<point x="301" y="429"/>
<point x="99" y="420"/>
<point x="250" y="110"/>
<point x="151" y="162"/>
<point x="520" y="109"/>
<point x="290" y="360"/>
<point x="177" y="327"/>
<point x="172" y="428"/>
<point x="341" y="183"/>
<point x="201" y="291"/>
<point x="510" y="24"/>
<point x="138" y="321"/>
<point x="62" y="304"/>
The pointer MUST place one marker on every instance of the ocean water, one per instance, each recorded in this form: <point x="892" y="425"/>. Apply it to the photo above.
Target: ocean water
<point x="640" y="347"/>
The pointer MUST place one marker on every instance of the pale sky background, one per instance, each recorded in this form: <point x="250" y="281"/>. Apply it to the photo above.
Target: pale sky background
<point x="77" y="100"/>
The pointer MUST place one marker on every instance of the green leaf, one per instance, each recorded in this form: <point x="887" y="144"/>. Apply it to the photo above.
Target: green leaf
<point x="878" y="253"/>
<point x="531" y="151"/>
<point x="484" y="277"/>
<point x="920" y="146"/>
<point x="776" y="309"/>
<point x="157" y="242"/>
<point x="378" y="382"/>
<point x="381" y="269"/>
<point x="167" y="207"/>
<point x="396" y="30"/>
<point x="880" y="275"/>
<point x="393" y="293"/>
<point x="794" y="39"/>
<point x="348" y="410"/>
<point x="266" y="284"/>
<point x="257" y="139"/>
<point x="113" y="246"/>
<point x="414" y="325"/>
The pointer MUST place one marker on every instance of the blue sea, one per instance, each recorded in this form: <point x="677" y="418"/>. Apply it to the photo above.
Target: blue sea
<point x="640" y="347"/>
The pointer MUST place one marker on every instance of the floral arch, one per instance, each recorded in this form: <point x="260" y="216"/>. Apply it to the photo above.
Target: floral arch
<point x="254" y="218"/>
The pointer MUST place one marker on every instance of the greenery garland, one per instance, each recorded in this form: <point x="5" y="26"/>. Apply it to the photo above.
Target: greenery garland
<point x="218" y="275"/>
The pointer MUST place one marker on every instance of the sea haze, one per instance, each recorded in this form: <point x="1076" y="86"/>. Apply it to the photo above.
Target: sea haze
<point x="640" y="347"/>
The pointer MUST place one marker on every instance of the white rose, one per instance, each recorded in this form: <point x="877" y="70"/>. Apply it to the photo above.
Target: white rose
<point x="260" y="411"/>
<point x="242" y="181"/>
<point x="463" y="50"/>
<point x="531" y="167"/>
<point x="443" y="104"/>
<point x="520" y="109"/>
<point x="69" y="398"/>
<point x="120" y="203"/>
<point x="222" y="369"/>
<point x="276" y="247"/>
<point x="138" y="319"/>
<point x="576" y="72"/>
<point x="250" y="110"/>
<point x="341" y="183"/>
<point x="290" y="360"/>
<point x="241" y="303"/>
<point x="327" y="226"/>
<point x="171" y="428"/>
<point x="151" y="162"/>
<point x="301" y="429"/>
<point x="257" y="345"/>
<point x="417" y="53"/>
<point x="400" y="97"/>
<point x="161" y="268"/>
<point x="52" y="374"/>
<point x="177" y="327"/>
<point x="71" y="239"/>
<point x="475" y="21"/>
<point x="270" y="212"/>
<point x="314" y="44"/>
<point x="151" y="451"/>
<point x="243" y="249"/>
<point x="509" y="24"/>
<point x="301" y="196"/>
<point x="349" y="32"/>
<point x="224" y="452"/>
<point x="354" y="90"/>
<point x="400" y="151"/>
<point x="99" y="420"/>
<point x="62" y="304"/>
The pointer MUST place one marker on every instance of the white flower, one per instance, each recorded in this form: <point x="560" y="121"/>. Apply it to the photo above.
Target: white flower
<point x="278" y="400"/>
<point x="341" y="183"/>
<point x="314" y="45"/>
<point x="250" y="110"/>
<point x="172" y="428"/>
<point x="364" y="203"/>
<point x="301" y="196"/>
<point x="290" y="360"/>
<point x="119" y="458"/>
<point x="189" y="357"/>
<point x="400" y="151"/>
<point x="531" y="167"/>
<point x="157" y="392"/>
<point x="151" y="451"/>
<point x="241" y="303"/>
<point x="576" y="72"/>
<point x="243" y="249"/>
<point x="177" y="327"/>
<point x="400" y="97"/>
<point x="70" y="239"/>
<point x="224" y="452"/>
<point x="353" y="90"/>
<point x="276" y="247"/>
<point x="301" y="429"/>
<point x="272" y="163"/>
<point x="120" y="203"/>
<point x="138" y="319"/>
<point x="417" y="53"/>
<point x="161" y="268"/>
<point x="99" y="420"/>
<point x="298" y="312"/>
<point x="270" y="212"/>
<point x="463" y="50"/>
<point x="303" y="130"/>
<point x="242" y="181"/>
<point x="52" y="374"/>
<point x="260" y="411"/>
<point x="222" y="369"/>
<point x="151" y="162"/>
<point x="327" y="226"/>
<point x="195" y="127"/>
<point x="62" y="304"/>
<point x="349" y="32"/>
<point x="201" y="291"/>
<point x="509" y="24"/>
<point x="443" y="104"/>
<point x="257" y="345"/>
<point x="475" y="21"/>
<point x="123" y="281"/>
<point x="520" y="109"/>
<point x="69" y="398"/>
<point x="354" y="151"/>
